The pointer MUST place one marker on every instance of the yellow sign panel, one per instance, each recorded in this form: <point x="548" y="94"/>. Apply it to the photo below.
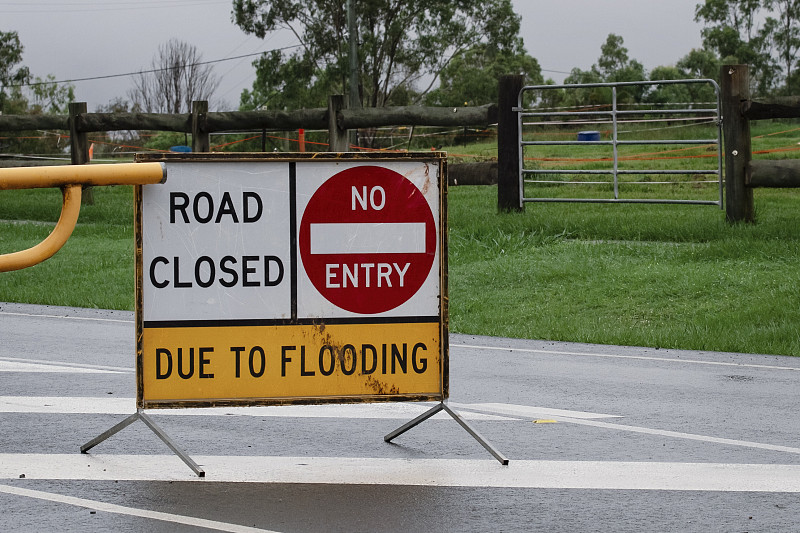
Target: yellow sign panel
<point x="216" y="364"/>
<point x="291" y="278"/>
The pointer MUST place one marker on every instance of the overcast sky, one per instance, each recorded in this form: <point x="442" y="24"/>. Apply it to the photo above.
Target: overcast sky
<point x="74" y="39"/>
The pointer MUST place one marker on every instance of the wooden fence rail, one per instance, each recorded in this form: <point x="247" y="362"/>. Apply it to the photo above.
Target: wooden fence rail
<point x="742" y="174"/>
<point x="200" y="123"/>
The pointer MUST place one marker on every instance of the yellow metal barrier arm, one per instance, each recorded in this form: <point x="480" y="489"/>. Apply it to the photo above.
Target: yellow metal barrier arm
<point x="71" y="179"/>
<point x="70" y="208"/>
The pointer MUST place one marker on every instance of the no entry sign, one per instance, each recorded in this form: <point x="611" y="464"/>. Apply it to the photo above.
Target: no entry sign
<point x="291" y="278"/>
<point x="368" y="239"/>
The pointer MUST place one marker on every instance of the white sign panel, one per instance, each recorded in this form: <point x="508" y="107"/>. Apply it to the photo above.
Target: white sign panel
<point x="216" y="243"/>
<point x="276" y="240"/>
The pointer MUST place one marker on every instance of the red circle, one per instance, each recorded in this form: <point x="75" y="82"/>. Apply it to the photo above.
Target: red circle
<point x="394" y="200"/>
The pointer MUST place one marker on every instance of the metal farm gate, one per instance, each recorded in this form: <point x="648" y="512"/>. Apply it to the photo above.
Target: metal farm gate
<point x="626" y="125"/>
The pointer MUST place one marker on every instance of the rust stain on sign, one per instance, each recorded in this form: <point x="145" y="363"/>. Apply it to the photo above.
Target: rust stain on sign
<point x="346" y="356"/>
<point x="381" y="388"/>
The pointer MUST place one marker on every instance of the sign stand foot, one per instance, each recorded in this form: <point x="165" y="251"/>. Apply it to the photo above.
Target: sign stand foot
<point x="141" y="415"/>
<point x="458" y="418"/>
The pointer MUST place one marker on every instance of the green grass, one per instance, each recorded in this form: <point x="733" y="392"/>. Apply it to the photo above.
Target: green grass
<point x="662" y="276"/>
<point x="95" y="266"/>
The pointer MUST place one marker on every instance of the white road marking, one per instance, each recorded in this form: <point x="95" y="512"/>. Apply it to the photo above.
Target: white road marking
<point x="686" y="436"/>
<point x="525" y="411"/>
<point x="98" y="319"/>
<point x="576" y="417"/>
<point x="130" y="511"/>
<point x="8" y="364"/>
<point x="595" y="475"/>
<point x="67" y="405"/>
<point x="127" y="406"/>
<point x="126" y="369"/>
<point x="620" y="356"/>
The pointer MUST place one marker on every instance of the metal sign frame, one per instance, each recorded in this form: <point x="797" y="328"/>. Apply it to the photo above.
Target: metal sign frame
<point x="318" y="325"/>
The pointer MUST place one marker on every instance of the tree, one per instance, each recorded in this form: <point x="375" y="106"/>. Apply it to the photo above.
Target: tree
<point x="688" y="93"/>
<point x="723" y="15"/>
<point x="613" y="57"/>
<point x="785" y="32"/>
<point x="549" y="99"/>
<point x="403" y="46"/>
<point x="732" y="29"/>
<point x="471" y="77"/>
<point x="700" y="63"/>
<point x="12" y="76"/>
<point x="662" y="94"/>
<point x="697" y="64"/>
<point x="586" y="96"/>
<point x="283" y="83"/>
<point x="48" y="97"/>
<point x="177" y="77"/>
<point x="614" y="65"/>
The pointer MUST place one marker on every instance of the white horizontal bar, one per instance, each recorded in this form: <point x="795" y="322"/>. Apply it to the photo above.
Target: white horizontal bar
<point x="20" y="366"/>
<point x="597" y="475"/>
<point x="524" y="411"/>
<point x="124" y="406"/>
<point x="368" y="238"/>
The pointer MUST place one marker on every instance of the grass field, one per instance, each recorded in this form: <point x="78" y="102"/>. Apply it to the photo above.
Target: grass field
<point x="95" y="266"/>
<point x="650" y="275"/>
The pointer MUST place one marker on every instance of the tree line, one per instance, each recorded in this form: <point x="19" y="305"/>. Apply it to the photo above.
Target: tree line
<point x="422" y="52"/>
<point x="443" y="52"/>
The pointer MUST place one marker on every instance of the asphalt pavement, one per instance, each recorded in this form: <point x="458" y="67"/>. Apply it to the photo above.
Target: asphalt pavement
<point x="600" y="438"/>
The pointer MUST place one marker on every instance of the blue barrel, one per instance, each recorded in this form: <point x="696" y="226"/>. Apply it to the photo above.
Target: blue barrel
<point x="181" y="148"/>
<point x="588" y="135"/>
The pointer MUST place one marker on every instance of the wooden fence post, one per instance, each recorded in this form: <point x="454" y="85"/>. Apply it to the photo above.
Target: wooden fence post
<point x="508" y="180"/>
<point x="337" y="137"/>
<point x="200" y="142"/>
<point x="735" y="88"/>
<point x="79" y="145"/>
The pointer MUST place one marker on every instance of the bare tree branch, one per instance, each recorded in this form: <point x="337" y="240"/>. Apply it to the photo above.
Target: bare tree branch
<point x="178" y="78"/>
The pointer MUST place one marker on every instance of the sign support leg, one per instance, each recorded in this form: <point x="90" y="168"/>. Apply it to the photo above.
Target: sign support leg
<point x="155" y="428"/>
<point x="458" y="418"/>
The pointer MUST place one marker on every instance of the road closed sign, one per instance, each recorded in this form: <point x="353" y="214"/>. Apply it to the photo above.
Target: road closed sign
<point x="277" y="278"/>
